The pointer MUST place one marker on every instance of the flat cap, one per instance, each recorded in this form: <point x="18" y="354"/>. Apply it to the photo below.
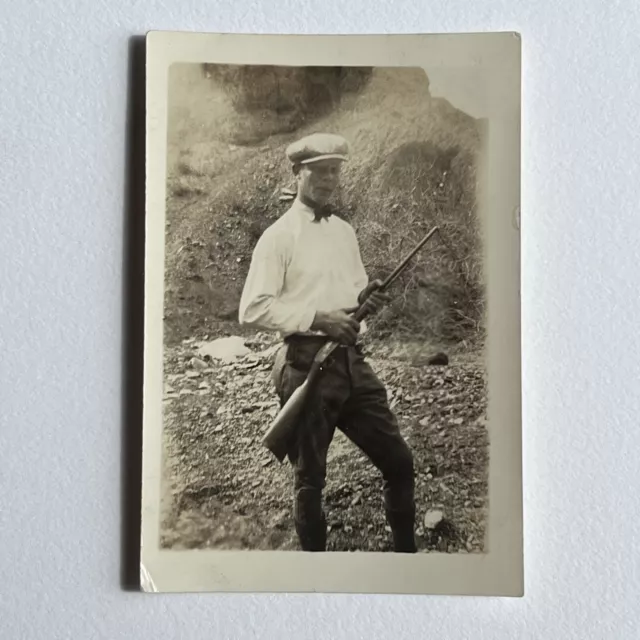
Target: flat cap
<point x="318" y="146"/>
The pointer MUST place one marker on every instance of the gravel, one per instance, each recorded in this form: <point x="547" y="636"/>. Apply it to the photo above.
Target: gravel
<point x="224" y="490"/>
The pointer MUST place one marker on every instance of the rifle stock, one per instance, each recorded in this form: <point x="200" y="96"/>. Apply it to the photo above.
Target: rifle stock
<point x="278" y="435"/>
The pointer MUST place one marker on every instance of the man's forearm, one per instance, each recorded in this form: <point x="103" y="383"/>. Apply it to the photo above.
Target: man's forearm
<point x="271" y="314"/>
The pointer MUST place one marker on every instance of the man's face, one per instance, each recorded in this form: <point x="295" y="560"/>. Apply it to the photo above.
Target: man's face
<point x="318" y="180"/>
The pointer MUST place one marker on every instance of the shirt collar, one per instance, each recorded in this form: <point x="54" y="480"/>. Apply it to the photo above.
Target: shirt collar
<point x="306" y="211"/>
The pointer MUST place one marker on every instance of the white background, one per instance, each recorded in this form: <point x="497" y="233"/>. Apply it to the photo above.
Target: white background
<point x="62" y="119"/>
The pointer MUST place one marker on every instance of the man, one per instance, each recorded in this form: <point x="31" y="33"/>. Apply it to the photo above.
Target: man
<point x="305" y="279"/>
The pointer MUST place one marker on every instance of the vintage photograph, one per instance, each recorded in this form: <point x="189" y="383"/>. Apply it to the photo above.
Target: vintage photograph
<point x="325" y="323"/>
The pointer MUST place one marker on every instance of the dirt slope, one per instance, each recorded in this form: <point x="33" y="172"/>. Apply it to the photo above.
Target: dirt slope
<point x="412" y="166"/>
<point x="226" y="491"/>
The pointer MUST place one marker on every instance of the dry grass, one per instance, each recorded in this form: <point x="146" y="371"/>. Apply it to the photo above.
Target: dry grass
<point x="413" y="165"/>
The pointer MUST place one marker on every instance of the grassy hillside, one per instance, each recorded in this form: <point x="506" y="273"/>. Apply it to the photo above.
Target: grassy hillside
<point x="413" y="165"/>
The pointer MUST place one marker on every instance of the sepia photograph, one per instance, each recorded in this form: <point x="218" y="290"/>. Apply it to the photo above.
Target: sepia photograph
<point x="320" y="333"/>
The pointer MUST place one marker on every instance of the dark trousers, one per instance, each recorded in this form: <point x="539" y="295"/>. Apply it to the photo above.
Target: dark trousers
<point x="350" y="397"/>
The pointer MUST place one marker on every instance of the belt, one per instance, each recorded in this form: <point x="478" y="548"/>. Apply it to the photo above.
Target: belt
<point x="317" y="340"/>
<point x="301" y="338"/>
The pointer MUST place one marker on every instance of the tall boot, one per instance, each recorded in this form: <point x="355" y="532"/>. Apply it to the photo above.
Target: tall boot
<point x="312" y="535"/>
<point x="402" y="530"/>
<point x="310" y="521"/>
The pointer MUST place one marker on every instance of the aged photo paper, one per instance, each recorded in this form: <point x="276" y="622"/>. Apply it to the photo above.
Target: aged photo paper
<point x="332" y="389"/>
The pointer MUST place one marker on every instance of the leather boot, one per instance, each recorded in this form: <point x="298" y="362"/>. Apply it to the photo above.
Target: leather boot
<point x="312" y="535"/>
<point x="402" y="531"/>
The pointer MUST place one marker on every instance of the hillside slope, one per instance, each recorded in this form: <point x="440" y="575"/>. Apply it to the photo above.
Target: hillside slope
<point x="413" y="165"/>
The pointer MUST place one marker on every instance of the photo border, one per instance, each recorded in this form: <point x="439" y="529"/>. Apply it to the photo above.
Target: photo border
<point x="499" y="571"/>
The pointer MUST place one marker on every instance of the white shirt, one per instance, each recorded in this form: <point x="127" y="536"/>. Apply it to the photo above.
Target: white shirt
<point x="300" y="266"/>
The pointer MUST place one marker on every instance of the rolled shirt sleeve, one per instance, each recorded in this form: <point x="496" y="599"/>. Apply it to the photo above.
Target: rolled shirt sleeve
<point x="361" y="280"/>
<point x="360" y="277"/>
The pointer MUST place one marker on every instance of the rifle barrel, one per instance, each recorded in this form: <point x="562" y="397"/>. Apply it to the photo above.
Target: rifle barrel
<point x="396" y="272"/>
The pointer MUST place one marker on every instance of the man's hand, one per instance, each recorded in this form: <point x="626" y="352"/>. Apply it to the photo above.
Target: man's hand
<point x="372" y="299"/>
<point x="338" y="325"/>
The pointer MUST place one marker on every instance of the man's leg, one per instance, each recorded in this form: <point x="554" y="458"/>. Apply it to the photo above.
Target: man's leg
<point x="308" y="449"/>
<point x="368" y="421"/>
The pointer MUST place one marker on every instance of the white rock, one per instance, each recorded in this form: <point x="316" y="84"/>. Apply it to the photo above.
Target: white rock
<point x="196" y="363"/>
<point x="433" y="518"/>
<point x="225" y="349"/>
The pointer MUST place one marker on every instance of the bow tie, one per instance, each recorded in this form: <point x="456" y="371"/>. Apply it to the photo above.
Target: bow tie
<point x="323" y="213"/>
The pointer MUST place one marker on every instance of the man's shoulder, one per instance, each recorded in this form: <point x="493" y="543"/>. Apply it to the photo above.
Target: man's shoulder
<point x="280" y="231"/>
<point x="284" y="225"/>
<point x="343" y="222"/>
<point x="345" y="225"/>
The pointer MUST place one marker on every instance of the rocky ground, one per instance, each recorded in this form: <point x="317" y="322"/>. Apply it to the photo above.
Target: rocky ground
<point x="224" y="490"/>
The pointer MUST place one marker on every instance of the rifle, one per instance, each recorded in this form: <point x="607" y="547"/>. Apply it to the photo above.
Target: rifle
<point x="277" y="436"/>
